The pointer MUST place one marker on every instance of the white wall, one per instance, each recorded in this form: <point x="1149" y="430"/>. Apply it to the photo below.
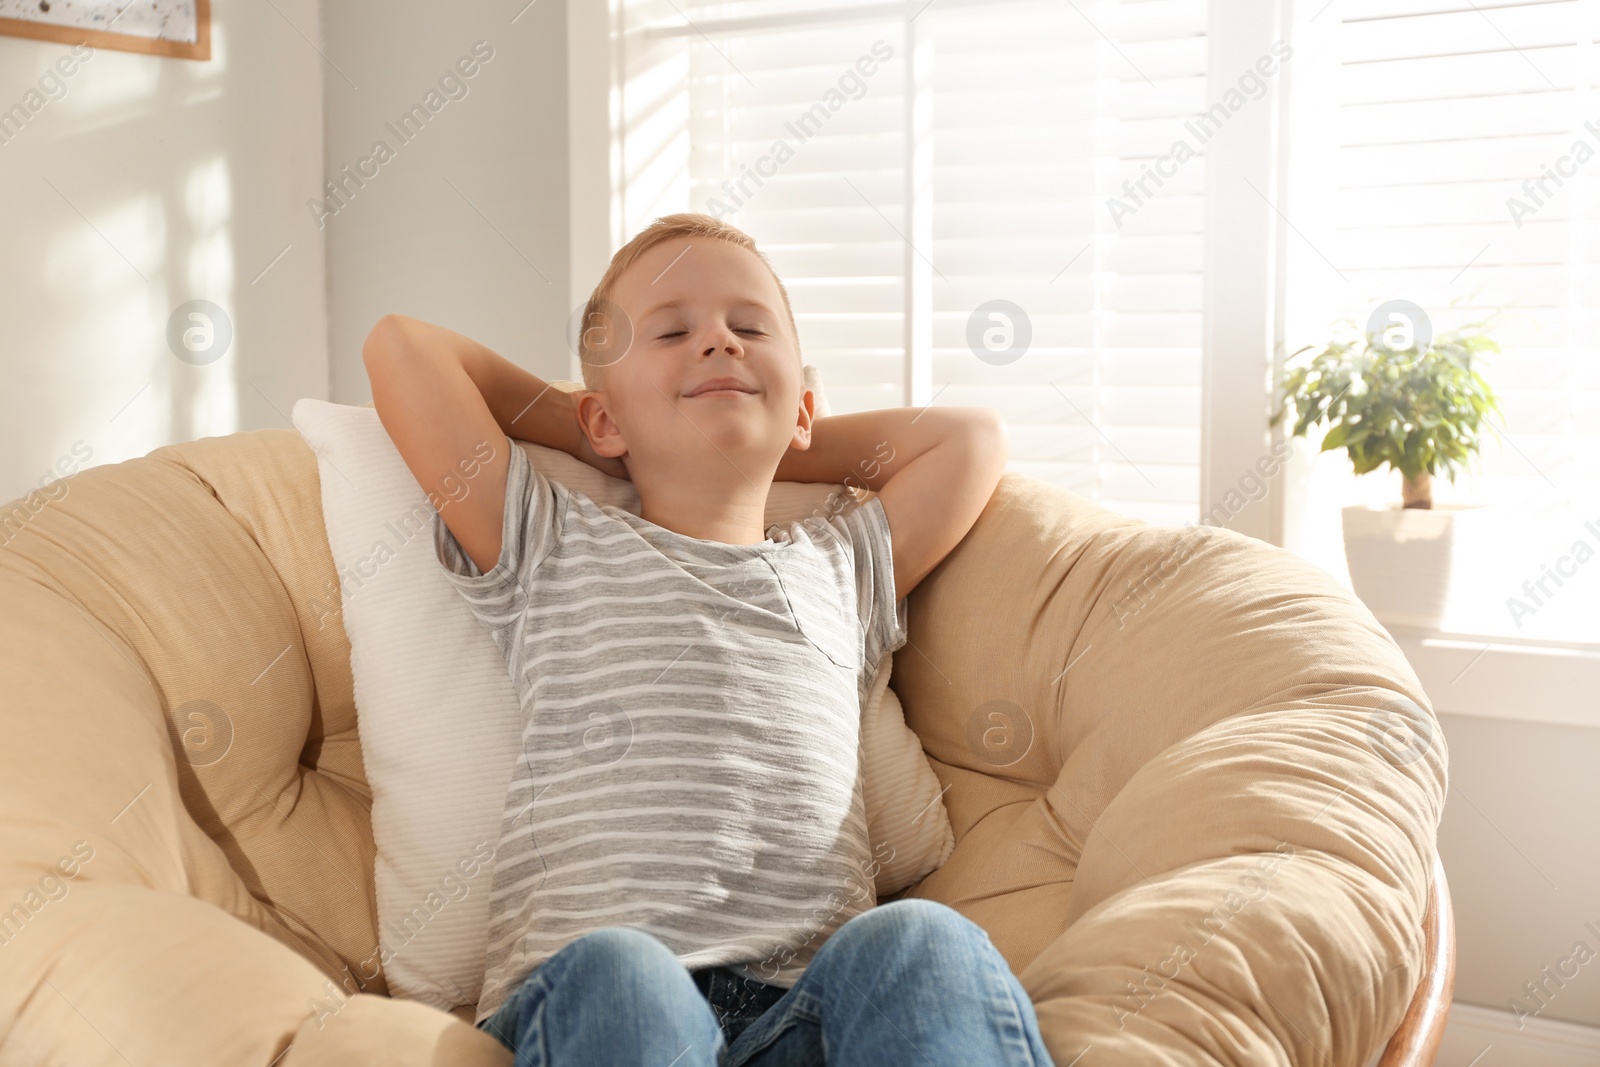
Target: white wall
<point x="146" y="183"/>
<point x="466" y="224"/>
<point x="1519" y="846"/>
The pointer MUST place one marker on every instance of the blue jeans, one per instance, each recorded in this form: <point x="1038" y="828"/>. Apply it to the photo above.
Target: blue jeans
<point x="912" y="981"/>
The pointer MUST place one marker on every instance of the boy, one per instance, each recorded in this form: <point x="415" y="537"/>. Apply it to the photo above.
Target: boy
<point x="687" y="804"/>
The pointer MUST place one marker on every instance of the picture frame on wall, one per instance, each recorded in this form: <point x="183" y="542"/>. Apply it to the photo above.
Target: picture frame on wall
<point x="177" y="28"/>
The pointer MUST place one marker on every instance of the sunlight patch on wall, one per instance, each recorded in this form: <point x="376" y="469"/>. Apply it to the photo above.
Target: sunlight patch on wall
<point x="209" y="275"/>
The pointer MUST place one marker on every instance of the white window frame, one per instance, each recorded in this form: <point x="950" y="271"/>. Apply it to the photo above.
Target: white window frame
<point x="1244" y="275"/>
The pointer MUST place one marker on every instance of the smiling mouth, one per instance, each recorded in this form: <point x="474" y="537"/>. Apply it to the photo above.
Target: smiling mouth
<point x="721" y="393"/>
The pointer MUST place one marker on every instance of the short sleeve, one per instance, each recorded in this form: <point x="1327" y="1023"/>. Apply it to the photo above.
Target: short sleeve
<point x="528" y="533"/>
<point x="865" y="529"/>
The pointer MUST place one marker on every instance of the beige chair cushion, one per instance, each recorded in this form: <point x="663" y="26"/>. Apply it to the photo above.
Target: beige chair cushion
<point x="1174" y="814"/>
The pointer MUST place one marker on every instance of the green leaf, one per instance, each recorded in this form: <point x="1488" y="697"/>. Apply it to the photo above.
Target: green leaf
<point x="1415" y="410"/>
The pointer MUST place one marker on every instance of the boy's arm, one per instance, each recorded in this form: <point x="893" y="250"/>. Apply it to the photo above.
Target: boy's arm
<point x="447" y="402"/>
<point x="934" y="469"/>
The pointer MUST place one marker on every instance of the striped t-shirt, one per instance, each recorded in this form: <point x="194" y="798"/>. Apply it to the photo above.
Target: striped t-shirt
<point x="690" y="764"/>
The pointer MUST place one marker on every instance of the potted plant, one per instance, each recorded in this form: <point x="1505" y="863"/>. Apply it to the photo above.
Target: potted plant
<point x="1399" y="397"/>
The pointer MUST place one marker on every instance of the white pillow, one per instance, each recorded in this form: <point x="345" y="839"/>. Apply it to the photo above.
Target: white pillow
<point x="439" y="721"/>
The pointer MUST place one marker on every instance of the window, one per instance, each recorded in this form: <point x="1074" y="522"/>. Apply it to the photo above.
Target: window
<point x="905" y="168"/>
<point x="1464" y="179"/>
<point x="905" y="165"/>
<point x="1460" y="176"/>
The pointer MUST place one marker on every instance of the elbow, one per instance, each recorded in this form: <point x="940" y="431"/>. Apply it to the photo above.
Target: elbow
<point x="995" y="423"/>
<point x="385" y="339"/>
<point x="995" y="444"/>
<point x="992" y="438"/>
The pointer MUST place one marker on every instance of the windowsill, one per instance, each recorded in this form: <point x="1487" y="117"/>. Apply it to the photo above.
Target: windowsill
<point x="1504" y="678"/>
<point x="1474" y="663"/>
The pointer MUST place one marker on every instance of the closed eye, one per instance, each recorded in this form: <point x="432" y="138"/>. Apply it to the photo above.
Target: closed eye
<point x="742" y="329"/>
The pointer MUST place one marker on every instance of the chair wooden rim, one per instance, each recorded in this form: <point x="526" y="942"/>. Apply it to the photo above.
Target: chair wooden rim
<point x="1416" y="1041"/>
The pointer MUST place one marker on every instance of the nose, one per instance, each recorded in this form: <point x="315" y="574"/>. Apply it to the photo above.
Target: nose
<point x="725" y="338"/>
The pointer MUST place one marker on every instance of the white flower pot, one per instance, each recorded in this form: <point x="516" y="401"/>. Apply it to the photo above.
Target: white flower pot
<point x="1401" y="559"/>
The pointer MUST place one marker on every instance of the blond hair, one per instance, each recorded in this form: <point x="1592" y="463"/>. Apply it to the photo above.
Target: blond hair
<point x="665" y="228"/>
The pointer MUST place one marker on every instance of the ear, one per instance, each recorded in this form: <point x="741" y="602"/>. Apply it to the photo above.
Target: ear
<point x="604" y="435"/>
<point x="802" y="429"/>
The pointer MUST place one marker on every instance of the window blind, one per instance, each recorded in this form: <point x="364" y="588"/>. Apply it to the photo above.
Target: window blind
<point x="905" y="165"/>
<point x="1467" y="156"/>
<point x="1469" y="148"/>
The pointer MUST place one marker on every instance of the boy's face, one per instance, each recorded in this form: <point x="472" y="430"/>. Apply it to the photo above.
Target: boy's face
<point x="699" y="309"/>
